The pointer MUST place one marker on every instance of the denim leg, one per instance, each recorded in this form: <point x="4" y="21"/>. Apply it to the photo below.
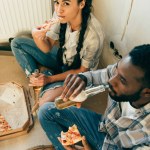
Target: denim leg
<point x="53" y="121"/>
<point x="29" y="55"/>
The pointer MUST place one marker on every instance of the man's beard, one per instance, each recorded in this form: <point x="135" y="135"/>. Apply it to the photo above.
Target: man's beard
<point x="126" y="98"/>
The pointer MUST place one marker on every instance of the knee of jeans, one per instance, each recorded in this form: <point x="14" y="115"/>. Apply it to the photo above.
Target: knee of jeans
<point x="15" y="43"/>
<point x="44" y="109"/>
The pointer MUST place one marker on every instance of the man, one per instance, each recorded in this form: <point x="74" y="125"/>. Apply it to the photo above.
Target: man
<point x="126" y="123"/>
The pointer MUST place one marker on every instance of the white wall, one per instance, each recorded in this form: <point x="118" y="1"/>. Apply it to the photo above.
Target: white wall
<point x="18" y="17"/>
<point x="125" y="22"/>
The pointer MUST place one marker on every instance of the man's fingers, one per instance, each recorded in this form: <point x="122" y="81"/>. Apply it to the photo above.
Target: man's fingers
<point x="74" y="85"/>
<point x="78" y="90"/>
<point x="69" y="147"/>
<point x="79" y="147"/>
<point x="59" y="139"/>
<point x="67" y="85"/>
<point x="72" y="147"/>
<point x="85" y="143"/>
<point x="71" y="87"/>
<point x="78" y="105"/>
<point x="67" y="79"/>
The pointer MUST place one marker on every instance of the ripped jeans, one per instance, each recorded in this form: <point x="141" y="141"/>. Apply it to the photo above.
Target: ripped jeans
<point x="53" y="121"/>
<point x="29" y="56"/>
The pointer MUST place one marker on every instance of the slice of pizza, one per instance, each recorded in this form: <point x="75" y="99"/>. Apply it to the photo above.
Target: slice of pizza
<point x="71" y="137"/>
<point x="49" y="23"/>
<point x="4" y="126"/>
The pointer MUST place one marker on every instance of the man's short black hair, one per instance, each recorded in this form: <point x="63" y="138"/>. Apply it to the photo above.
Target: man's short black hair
<point x="140" y="57"/>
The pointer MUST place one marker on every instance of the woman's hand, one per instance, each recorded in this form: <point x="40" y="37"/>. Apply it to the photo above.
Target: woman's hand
<point x="73" y="85"/>
<point x="75" y="147"/>
<point x="39" y="33"/>
<point x="41" y="80"/>
<point x="46" y="25"/>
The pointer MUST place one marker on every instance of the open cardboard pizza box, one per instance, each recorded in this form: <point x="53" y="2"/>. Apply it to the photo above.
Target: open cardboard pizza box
<point x="15" y="108"/>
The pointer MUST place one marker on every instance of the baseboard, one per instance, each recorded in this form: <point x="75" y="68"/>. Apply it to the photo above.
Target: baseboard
<point x="6" y="53"/>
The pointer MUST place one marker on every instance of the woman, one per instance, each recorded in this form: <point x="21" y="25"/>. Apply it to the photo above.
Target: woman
<point x="80" y="39"/>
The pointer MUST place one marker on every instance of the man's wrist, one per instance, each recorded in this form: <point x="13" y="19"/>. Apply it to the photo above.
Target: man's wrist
<point x="84" y="78"/>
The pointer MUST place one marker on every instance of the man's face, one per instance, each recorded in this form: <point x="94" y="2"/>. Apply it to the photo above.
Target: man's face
<point x="126" y="83"/>
<point x="126" y="98"/>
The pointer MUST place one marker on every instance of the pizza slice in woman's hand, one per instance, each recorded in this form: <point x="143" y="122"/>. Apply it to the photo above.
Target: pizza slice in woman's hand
<point x="71" y="137"/>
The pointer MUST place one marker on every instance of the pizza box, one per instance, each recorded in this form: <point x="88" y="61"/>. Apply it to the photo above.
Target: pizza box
<point x="15" y="108"/>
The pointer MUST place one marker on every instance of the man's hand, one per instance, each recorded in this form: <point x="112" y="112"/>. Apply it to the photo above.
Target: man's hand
<point x="75" y="147"/>
<point x="41" y="80"/>
<point x="73" y="85"/>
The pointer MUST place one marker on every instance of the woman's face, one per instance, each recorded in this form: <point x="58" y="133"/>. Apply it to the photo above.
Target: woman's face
<point x="68" y="10"/>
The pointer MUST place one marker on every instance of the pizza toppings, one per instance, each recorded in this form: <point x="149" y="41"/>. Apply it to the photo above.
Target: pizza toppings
<point x="4" y="126"/>
<point x="71" y="137"/>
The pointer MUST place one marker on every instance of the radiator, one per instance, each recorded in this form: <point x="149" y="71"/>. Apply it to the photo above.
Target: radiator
<point x="20" y="16"/>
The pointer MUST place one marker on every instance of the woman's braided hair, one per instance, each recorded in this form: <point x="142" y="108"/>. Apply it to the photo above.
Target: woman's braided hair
<point x="85" y="16"/>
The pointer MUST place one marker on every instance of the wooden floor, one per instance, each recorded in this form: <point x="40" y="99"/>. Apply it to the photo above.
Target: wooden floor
<point x="11" y="71"/>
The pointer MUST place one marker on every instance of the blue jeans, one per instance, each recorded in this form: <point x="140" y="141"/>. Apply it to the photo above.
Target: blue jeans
<point x="53" y="121"/>
<point x="29" y="56"/>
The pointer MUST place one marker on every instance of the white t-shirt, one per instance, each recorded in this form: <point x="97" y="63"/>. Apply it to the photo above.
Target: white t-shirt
<point x="92" y="46"/>
<point x="128" y="110"/>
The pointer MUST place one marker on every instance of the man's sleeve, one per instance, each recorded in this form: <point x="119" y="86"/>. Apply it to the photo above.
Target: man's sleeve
<point x="99" y="76"/>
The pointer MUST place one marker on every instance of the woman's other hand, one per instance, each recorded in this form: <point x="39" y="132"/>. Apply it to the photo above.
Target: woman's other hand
<point x="41" y="80"/>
